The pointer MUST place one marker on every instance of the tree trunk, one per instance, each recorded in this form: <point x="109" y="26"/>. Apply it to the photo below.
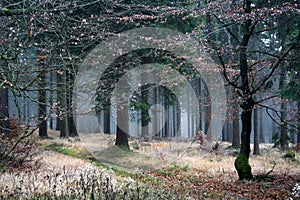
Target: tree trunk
<point x="242" y="161"/>
<point x="4" y="106"/>
<point x="145" y="111"/>
<point x="234" y="108"/>
<point x="70" y="122"/>
<point x="106" y="119"/>
<point x="72" y="126"/>
<point x="298" y="136"/>
<point x="42" y="105"/>
<point x="256" y="131"/>
<point x="122" y="117"/>
<point x="52" y="98"/>
<point x="4" y="112"/>
<point x="189" y="117"/>
<point x="284" y="138"/>
<point x="178" y="119"/>
<point x="122" y="128"/>
<point x="167" y="120"/>
<point x="62" y="98"/>
<point x="236" y="142"/>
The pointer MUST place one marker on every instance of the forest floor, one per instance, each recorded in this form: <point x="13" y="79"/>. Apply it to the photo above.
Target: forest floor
<point x="172" y="166"/>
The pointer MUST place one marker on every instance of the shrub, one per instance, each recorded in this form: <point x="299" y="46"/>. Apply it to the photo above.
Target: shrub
<point x="17" y="148"/>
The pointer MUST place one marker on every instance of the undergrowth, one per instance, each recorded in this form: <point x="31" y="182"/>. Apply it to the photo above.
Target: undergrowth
<point x="105" y="181"/>
<point x="102" y="180"/>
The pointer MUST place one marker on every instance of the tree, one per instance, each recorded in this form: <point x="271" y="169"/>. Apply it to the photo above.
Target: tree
<point x="42" y="104"/>
<point x="256" y="150"/>
<point x="4" y="114"/>
<point x="248" y="15"/>
<point x="4" y="83"/>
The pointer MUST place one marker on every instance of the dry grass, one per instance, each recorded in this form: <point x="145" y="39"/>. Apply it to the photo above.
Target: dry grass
<point x="156" y="154"/>
<point x="146" y="156"/>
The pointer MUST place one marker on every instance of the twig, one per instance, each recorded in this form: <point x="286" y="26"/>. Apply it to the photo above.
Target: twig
<point x="269" y="172"/>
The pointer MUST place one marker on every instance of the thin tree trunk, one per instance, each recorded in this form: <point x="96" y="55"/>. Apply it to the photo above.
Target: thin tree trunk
<point x="62" y="98"/>
<point x="166" y="124"/>
<point x="261" y="135"/>
<point x="178" y="119"/>
<point x="242" y="161"/>
<point x="122" y="128"/>
<point x="4" y="112"/>
<point x="72" y="126"/>
<point x="70" y="122"/>
<point x="122" y="119"/>
<point x="145" y="111"/>
<point x="200" y="104"/>
<point x="236" y="142"/>
<point x="42" y="105"/>
<point x="256" y="131"/>
<point x="298" y="136"/>
<point x="106" y="120"/>
<point x="188" y="123"/>
<point x="284" y="138"/>
<point x="4" y="106"/>
<point x="51" y="100"/>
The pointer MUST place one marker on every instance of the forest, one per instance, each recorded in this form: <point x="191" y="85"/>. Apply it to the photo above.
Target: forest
<point x="191" y="99"/>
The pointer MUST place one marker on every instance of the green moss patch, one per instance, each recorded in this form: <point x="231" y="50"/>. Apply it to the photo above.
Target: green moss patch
<point x="243" y="167"/>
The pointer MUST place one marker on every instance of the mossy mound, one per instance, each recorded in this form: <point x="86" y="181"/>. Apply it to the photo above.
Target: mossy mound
<point x="243" y="168"/>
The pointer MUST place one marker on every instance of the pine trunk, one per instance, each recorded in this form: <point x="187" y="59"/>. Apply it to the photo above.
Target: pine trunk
<point x="122" y="128"/>
<point x="145" y="111"/>
<point x="106" y="120"/>
<point x="298" y="136"/>
<point x="4" y="114"/>
<point x="62" y="98"/>
<point x="42" y="106"/>
<point x="284" y="138"/>
<point x="256" y="130"/>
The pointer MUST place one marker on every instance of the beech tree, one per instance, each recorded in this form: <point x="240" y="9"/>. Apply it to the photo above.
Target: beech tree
<point x="252" y="17"/>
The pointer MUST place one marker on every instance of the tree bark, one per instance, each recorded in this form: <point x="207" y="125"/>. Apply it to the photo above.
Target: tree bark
<point x="62" y="98"/>
<point x="122" y="128"/>
<point x="178" y="119"/>
<point x="70" y="122"/>
<point x="242" y="161"/>
<point x="298" y="136"/>
<point x="284" y="138"/>
<point x="256" y="131"/>
<point x="4" y="106"/>
<point x="42" y="105"/>
<point x="4" y="113"/>
<point x="122" y="117"/>
<point x="145" y="111"/>
<point x="236" y="142"/>
<point x="106" y="120"/>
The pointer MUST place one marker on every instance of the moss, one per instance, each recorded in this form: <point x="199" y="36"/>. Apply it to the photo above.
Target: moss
<point x="232" y="147"/>
<point x="124" y="147"/>
<point x="170" y="170"/>
<point x="61" y="149"/>
<point x="5" y="9"/>
<point x="243" y="168"/>
<point x="2" y="168"/>
<point x="290" y="154"/>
